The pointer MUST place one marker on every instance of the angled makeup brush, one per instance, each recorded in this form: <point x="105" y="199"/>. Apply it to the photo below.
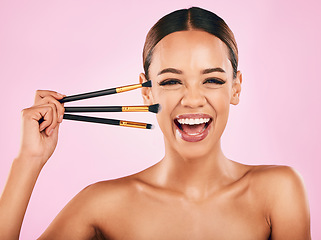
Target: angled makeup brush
<point x="108" y="121"/>
<point x="104" y="92"/>
<point x="152" y="108"/>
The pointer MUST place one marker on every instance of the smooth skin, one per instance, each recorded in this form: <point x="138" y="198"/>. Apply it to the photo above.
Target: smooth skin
<point x="194" y="192"/>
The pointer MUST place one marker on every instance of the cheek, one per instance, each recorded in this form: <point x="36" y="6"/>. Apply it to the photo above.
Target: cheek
<point x="168" y="101"/>
<point x="220" y="101"/>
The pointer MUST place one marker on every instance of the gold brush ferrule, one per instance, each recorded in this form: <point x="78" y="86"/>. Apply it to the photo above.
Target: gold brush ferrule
<point x="128" y="88"/>
<point x="135" y="109"/>
<point x="133" y="124"/>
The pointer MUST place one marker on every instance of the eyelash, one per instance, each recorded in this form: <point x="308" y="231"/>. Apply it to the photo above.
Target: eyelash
<point x="170" y="82"/>
<point x="176" y="81"/>
<point x="214" y="80"/>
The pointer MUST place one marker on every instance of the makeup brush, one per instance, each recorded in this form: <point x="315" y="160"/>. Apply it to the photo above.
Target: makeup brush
<point x="108" y="121"/>
<point x="104" y="92"/>
<point x="152" y="108"/>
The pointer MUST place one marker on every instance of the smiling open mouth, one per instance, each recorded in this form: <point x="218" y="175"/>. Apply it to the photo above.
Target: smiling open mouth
<point x="193" y="128"/>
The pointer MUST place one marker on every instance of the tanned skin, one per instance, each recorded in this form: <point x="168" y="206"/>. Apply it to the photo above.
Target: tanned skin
<point x="194" y="192"/>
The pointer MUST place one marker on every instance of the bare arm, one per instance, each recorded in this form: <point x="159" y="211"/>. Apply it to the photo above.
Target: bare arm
<point x="290" y="216"/>
<point x="37" y="145"/>
<point x="15" y="197"/>
<point x="77" y="219"/>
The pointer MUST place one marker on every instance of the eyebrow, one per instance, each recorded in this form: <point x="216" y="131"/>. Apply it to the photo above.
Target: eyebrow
<point x="205" y="71"/>
<point x="170" y="70"/>
<point x="210" y="70"/>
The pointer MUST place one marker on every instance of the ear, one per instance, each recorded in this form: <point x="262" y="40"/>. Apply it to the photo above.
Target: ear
<point x="236" y="88"/>
<point x="146" y="91"/>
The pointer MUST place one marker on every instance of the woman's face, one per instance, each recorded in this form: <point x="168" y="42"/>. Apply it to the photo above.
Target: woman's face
<point x="192" y="80"/>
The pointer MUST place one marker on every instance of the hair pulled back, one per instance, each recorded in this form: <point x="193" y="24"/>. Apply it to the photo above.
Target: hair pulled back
<point x="193" y="18"/>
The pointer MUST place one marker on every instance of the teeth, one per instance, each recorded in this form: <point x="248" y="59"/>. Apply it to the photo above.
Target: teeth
<point x="193" y="121"/>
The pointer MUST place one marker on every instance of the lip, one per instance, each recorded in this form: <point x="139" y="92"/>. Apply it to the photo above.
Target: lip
<point x="193" y="115"/>
<point x="196" y="137"/>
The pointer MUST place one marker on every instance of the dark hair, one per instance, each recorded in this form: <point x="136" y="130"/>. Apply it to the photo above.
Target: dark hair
<point x="193" y="18"/>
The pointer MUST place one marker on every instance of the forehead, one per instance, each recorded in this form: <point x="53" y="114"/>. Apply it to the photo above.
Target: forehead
<point x="190" y="50"/>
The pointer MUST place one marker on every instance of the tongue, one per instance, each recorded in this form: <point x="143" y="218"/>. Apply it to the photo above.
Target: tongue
<point x="193" y="129"/>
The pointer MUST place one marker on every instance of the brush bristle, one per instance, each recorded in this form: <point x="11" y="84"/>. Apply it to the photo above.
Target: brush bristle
<point x="149" y="126"/>
<point x="147" y="84"/>
<point x="154" y="108"/>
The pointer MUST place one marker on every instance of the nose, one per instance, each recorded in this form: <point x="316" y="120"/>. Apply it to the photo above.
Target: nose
<point x="193" y="98"/>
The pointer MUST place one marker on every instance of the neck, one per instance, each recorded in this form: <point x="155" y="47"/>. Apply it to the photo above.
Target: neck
<point x="196" y="177"/>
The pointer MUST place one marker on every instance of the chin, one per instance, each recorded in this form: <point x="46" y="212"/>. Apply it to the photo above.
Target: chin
<point x="193" y="136"/>
<point x="193" y="150"/>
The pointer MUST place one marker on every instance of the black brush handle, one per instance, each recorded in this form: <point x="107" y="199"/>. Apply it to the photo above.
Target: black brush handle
<point x="88" y="95"/>
<point x="92" y="119"/>
<point x="94" y="109"/>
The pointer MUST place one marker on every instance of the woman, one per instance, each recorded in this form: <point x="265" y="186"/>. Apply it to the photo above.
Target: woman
<point x="194" y="192"/>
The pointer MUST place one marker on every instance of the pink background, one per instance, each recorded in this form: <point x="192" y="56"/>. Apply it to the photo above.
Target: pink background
<point x="75" y="46"/>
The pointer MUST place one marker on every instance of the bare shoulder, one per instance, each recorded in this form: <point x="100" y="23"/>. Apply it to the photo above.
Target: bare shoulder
<point x="275" y="179"/>
<point x="120" y="188"/>
<point x="111" y="196"/>
<point x="276" y="174"/>
<point x="115" y="190"/>
<point x="86" y="211"/>
<point x="285" y="198"/>
<point x="276" y="182"/>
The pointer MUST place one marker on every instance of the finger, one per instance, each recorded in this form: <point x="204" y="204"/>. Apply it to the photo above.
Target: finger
<point x="55" y="131"/>
<point x="49" y="118"/>
<point x="46" y="113"/>
<point x="51" y="100"/>
<point x="32" y="114"/>
<point x="37" y="116"/>
<point x="40" y="94"/>
<point x="54" y="121"/>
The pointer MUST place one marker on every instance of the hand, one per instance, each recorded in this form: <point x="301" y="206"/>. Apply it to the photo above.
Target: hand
<point x="40" y="124"/>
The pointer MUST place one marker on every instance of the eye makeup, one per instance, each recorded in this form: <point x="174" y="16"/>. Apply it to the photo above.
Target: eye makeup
<point x="214" y="81"/>
<point x="171" y="81"/>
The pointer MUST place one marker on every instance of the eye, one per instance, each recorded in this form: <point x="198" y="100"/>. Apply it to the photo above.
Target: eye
<point x="214" y="81"/>
<point x="169" y="82"/>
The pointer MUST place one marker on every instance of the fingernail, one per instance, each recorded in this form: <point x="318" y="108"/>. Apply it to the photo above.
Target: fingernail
<point x="60" y="118"/>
